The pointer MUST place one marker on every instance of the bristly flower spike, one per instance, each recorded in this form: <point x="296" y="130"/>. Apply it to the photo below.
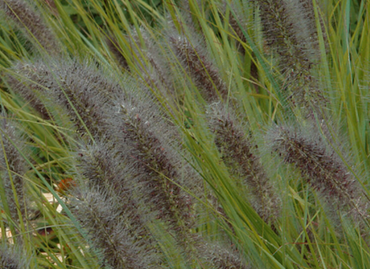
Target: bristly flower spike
<point x="293" y="37"/>
<point x="220" y="258"/>
<point x="81" y="89"/>
<point x="142" y="135"/>
<point x="27" y="80"/>
<point x="114" y="48"/>
<point x="240" y="157"/>
<point x="12" y="168"/>
<point x="109" y="230"/>
<point x="105" y="167"/>
<point x="196" y="62"/>
<point x="32" y="24"/>
<point x="322" y="169"/>
<point x="108" y="171"/>
<point x="13" y="257"/>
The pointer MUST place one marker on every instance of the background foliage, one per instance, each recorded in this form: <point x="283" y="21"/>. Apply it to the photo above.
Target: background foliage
<point x="184" y="134"/>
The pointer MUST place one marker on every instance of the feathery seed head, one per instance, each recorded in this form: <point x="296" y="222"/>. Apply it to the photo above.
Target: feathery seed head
<point x="30" y="81"/>
<point x="79" y="88"/>
<point x="320" y="166"/>
<point x="32" y="24"/>
<point x="142" y="136"/>
<point x="12" y="257"/>
<point x="101" y="164"/>
<point x="110" y="230"/>
<point x="105" y="167"/>
<point x="11" y="159"/>
<point x="293" y="37"/>
<point x="240" y="157"/>
<point x="220" y="257"/>
<point x="197" y="63"/>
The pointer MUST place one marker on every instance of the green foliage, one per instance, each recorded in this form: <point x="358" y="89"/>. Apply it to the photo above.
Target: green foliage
<point x="184" y="134"/>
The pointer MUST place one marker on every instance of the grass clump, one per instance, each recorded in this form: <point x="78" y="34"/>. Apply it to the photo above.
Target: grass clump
<point x="184" y="134"/>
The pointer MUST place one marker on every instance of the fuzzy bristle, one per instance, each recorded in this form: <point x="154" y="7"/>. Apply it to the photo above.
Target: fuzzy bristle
<point x="110" y="233"/>
<point x="219" y="257"/>
<point x="138" y="132"/>
<point x="117" y="52"/>
<point x="322" y="169"/>
<point x="32" y="24"/>
<point x="106" y="168"/>
<point x="12" y="257"/>
<point x="79" y="88"/>
<point x="289" y="32"/>
<point x="241" y="159"/>
<point x="12" y="158"/>
<point x="200" y="68"/>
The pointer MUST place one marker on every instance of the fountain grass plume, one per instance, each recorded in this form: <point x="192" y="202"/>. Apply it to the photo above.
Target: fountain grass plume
<point x="291" y="33"/>
<point x="32" y="24"/>
<point x="13" y="257"/>
<point x="80" y="88"/>
<point x="13" y="167"/>
<point x="108" y="228"/>
<point x="308" y="10"/>
<point x="160" y="175"/>
<point x="103" y="166"/>
<point x="106" y="167"/>
<point x="29" y="81"/>
<point x="321" y="168"/>
<point x="142" y="165"/>
<point x="240" y="156"/>
<point x="117" y="52"/>
<point x="141" y="134"/>
<point x="220" y="257"/>
<point x="194" y="59"/>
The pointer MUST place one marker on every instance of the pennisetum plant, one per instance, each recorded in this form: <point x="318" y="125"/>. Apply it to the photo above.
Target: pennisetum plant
<point x="194" y="59"/>
<point x="13" y="168"/>
<point x="78" y="88"/>
<point x="290" y="31"/>
<point x="115" y="181"/>
<point x="158" y="168"/>
<point x="322" y="169"/>
<point x="105" y="169"/>
<point x="110" y="229"/>
<point x="241" y="158"/>
<point x="160" y="146"/>
<point x="33" y="25"/>
<point x="13" y="257"/>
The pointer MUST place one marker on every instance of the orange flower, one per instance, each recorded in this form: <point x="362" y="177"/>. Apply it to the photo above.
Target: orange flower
<point x="65" y="184"/>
